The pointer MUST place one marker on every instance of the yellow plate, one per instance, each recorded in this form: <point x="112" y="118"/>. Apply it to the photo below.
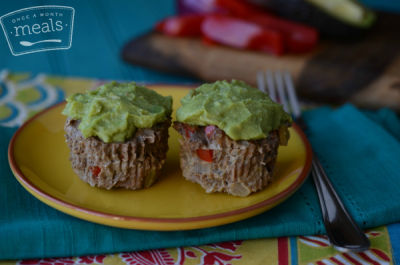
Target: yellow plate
<point x="38" y="157"/>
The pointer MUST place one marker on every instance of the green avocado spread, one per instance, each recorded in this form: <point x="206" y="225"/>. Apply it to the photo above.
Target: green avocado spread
<point x="241" y="111"/>
<point x="114" y="111"/>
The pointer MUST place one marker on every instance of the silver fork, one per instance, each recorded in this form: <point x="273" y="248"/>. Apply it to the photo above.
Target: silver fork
<point x="343" y="233"/>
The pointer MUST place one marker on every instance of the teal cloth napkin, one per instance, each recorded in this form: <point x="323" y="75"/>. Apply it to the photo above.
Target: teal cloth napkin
<point x="360" y="151"/>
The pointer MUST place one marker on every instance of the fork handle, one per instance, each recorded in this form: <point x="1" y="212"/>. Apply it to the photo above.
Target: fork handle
<point x="341" y="229"/>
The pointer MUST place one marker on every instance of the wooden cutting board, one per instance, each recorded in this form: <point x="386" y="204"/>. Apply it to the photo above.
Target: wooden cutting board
<point x="365" y="72"/>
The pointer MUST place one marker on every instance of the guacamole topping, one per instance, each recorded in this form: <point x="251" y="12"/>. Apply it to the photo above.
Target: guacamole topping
<point x="241" y="111"/>
<point x="114" y="111"/>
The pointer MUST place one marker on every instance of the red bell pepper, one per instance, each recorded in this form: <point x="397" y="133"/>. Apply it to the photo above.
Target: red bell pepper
<point x="239" y="33"/>
<point x="184" y="25"/>
<point x="205" y="154"/>
<point x="208" y="41"/>
<point x="298" y="37"/>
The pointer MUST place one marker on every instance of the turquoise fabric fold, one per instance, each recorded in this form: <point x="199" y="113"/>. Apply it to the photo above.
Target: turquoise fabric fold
<point x="361" y="154"/>
<point x="360" y="151"/>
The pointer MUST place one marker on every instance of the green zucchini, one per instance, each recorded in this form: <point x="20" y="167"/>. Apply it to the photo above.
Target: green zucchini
<point x="333" y="18"/>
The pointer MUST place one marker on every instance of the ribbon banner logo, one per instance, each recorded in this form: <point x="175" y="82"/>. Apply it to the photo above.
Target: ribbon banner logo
<point x="38" y="28"/>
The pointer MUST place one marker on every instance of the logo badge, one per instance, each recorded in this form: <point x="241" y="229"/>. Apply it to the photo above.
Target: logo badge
<point x="38" y="28"/>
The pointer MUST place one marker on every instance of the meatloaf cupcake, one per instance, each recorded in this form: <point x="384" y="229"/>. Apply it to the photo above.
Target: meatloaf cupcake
<point x="230" y="137"/>
<point x="118" y="135"/>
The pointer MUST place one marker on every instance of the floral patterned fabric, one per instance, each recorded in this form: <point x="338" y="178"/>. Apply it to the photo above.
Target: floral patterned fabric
<point x="282" y="251"/>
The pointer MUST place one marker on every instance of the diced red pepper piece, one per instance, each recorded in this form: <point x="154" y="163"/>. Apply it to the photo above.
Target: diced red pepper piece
<point x="209" y="130"/>
<point x="189" y="130"/>
<point x="242" y="34"/>
<point x="96" y="171"/>
<point x="205" y="154"/>
<point x="184" y="25"/>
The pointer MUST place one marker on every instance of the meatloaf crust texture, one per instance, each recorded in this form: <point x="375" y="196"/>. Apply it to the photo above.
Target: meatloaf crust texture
<point x="237" y="168"/>
<point x="133" y="164"/>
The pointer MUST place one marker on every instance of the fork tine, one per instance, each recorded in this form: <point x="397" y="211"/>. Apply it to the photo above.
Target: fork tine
<point x="294" y="101"/>
<point x="281" y="90"/>
<point x="271" y="85"/>
<point x="261" y="81"/>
